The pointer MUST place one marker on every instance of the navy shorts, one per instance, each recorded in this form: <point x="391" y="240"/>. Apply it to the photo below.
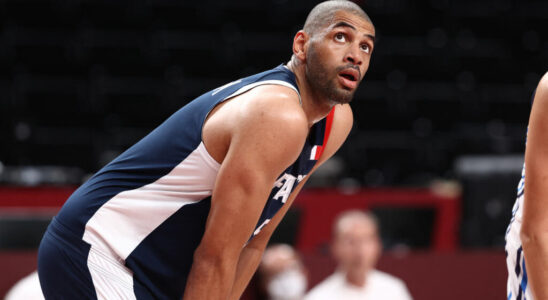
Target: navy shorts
<point x="62" y="267"/>
<point x="69" y="268"/>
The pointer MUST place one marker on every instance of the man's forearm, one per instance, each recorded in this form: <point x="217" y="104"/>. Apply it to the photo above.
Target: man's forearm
<point x="210" y="279"/>
<point x="247" y="265"/>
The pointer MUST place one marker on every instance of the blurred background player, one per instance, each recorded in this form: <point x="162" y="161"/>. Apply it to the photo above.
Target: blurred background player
<point x="281" y="274"/>
<point x="28" y="288"/>
<point x="356" y="248"/>
<point x="527" y="235"/>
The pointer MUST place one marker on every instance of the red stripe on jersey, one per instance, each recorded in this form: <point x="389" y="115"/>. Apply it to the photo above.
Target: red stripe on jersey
<point x="328" y="123"/>
<point x="319" y="150"/>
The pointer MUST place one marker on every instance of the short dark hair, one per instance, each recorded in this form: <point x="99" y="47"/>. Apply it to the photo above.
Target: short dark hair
<point x="324" y="12"/>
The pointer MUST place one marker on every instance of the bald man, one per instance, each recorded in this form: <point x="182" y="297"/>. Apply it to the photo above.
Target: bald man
<point x="188" y="210"/>
<point x="356" y="247"/>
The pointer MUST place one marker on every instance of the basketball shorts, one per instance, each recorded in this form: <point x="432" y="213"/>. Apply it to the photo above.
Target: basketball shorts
<point x="70" y="268"/>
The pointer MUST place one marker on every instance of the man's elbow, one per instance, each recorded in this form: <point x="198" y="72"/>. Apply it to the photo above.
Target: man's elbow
<point x="214" y="258"/>
<point x="257" y="245"/>
<point x="532" y="235"/>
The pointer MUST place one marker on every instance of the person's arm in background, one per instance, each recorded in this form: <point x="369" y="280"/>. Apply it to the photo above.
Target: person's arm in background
<point x="252" y="253"/>
<point x="259" y="150"/>
<point x="534" y="230"/>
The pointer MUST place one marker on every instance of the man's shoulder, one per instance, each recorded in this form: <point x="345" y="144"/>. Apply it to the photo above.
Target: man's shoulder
<point x="274" y="104"/>
<point x="543" y="85"/>
<point x="544" y="80"/>
<point x="344" y="118"/>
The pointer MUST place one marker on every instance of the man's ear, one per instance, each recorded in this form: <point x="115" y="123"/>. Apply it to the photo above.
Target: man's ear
<point x="300" y="42"/>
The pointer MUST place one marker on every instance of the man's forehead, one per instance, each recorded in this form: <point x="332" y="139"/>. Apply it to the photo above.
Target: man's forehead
<point x="348" y="18"/>
<point x="356" y="225"/>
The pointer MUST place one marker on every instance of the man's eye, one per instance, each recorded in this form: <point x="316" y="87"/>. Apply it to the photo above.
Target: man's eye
<point x="339" y="37"/>
<point x="365" y="48"/>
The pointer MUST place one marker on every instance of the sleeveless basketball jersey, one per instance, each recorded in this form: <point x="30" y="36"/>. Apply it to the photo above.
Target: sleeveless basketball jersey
<point x="148" y="207"/>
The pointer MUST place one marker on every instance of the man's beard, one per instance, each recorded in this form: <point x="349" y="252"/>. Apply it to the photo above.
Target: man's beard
<point x="318" y="78"/>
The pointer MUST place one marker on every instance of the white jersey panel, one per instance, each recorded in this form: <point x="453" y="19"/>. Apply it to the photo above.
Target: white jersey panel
<point x="517" y="284"/>
<point x="514" y="228"/>
<point x="111" y="279"/>
<point x="124" y="221"/>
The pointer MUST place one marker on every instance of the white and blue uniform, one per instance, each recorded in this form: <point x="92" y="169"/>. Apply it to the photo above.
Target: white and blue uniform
<point x="517" y="285"/>
<point x="131" y="230"/>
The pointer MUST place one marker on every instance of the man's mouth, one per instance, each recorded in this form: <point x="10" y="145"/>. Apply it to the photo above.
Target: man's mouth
<point x="349" y="78"/>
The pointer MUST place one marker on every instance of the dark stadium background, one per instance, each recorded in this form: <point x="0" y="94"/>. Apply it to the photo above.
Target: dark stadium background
<point x="443" y="110"/>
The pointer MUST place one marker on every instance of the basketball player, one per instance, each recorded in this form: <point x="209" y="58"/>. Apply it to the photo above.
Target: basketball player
<point x="527" y="235"/>
<point x="188" y="210"/>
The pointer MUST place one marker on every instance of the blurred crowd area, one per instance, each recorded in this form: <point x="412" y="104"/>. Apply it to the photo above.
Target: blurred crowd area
<point x="80" y="80"/>
<point x="444" y="105"/>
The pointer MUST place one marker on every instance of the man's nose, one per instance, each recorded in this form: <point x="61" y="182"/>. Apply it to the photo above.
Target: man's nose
<point x="353" y="56"/>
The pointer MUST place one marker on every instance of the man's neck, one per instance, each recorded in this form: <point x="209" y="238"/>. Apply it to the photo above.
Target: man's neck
<point x="315" y="106"/>
<point x="356" y="278"/>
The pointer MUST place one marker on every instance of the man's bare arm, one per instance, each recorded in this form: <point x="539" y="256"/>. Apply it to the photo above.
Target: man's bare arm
<point x="534" y="231"/>
<point x="260" y="149"/>
<point x="252" y="253"/>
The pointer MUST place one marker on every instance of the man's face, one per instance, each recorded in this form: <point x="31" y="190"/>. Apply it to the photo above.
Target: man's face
<point x="338" y="56"/>
<point x="356" y="245"/>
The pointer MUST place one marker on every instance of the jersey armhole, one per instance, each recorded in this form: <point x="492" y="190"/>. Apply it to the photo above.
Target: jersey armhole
<point x="327" y="131"/>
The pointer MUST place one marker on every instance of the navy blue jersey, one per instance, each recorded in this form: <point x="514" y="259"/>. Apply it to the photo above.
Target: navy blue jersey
<point x="148" y="207"/>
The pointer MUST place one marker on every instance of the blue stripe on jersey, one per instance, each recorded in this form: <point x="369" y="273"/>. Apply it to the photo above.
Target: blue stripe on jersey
<point x="521" y="184"/>
<point x="518" y="259"/>
<point x="520" y="269"/>
<point x="523" y="285"/>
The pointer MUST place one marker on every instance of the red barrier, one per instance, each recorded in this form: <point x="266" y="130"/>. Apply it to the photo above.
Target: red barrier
<point x="15" y="265"/>
<point x="319" y="207"/>
<point x="44" y="199"/>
